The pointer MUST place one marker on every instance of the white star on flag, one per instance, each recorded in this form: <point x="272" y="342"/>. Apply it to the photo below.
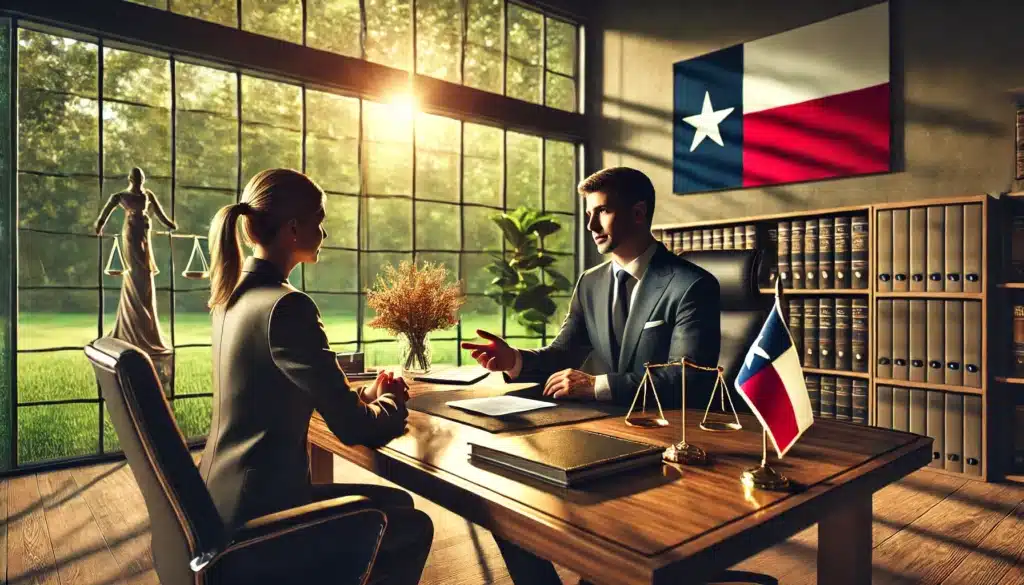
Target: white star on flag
<point x="706" y="123"/>
<point x="756" y="349"/>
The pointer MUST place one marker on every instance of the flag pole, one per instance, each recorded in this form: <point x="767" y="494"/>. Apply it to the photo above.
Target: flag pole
<point x="764" y="477"/>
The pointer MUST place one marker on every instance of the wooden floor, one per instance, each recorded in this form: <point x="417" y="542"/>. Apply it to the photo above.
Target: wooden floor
<point x="89" y="526"/>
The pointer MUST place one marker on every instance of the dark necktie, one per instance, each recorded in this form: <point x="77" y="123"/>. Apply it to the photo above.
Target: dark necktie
<point x="620" y="311"/>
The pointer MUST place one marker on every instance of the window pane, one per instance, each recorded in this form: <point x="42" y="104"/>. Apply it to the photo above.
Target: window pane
<point x="484" y="44"/>
<point x="68" y="204"/>
<point x="439" y="38"/>
<point x="271" y="102"/>
<point x="481" y="231"/>
<point x="332" y="148"/>
<point x="194" y="210"/>
<point x="57" y="318"/>
<point x="135" y="77"/>
<point x="483" y="68"/>
<point x="193" y="370"/>
<point x="381" y="354"/>
<point x="193" y="415"/>
<point x="161" y="255"/>
<point x="192" y="324"/>
<point x="206" y="89"/>
<point x="561" y="47"/>
<point x="57" y="260"/>
<point x="560" y="176"/>
<point x="136" y="136"/>
<point x="389" y="33"/>
<point x="555" y="324"/>
<point x="58" y="431"/>
<point x="334" y="25"/>
<point x="388" y="148"/>
<point x="219" y="11"/>
<point x="437" y="226"/>
<point x="111" y="298"/>
<point x="481" y="175"/>
<point x="334" y="271"/>
<point x="523" y="81"/>
<point x="480" y="313"/>
<point x="57" y="133"/>
<point x="339" y="314"/>
<point x="371" y="264"/>
<point x="437" y="158"/>
<point x="523" y="171"/>
<point x="281" y="19"/>
<point x="182" y="250"/>
<point x="57" y="63"/>
<point x="566" y="266"/>
<point x="265" y="147"/>
<point x="474" y="272"/>
<point x="388" y="223"/>
<point x="207" y="150"/>
<point x="561" y="93"/>
<point x="340" y="223"/>
<point x="564" y="239"/>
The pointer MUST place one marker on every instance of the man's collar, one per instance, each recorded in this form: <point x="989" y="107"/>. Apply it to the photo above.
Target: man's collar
<point x="638" y="267"/>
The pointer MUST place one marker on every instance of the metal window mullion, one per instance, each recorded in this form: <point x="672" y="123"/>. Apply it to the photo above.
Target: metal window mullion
<point x="12" y="28"/>
<point x="238" y="111"/>
<point x="462" y="49"/>
<point x="543" y="209"/>
<point x="544" y="60"/>
<point x="360" y="207"/>
<point x="305" y="16"/>
<point x="462" y="228"/>
<point x="504" y="207"/>
<point x="504" y="58"/>
<point x="170" y="239"/>
<point x="302" y="89"/>
<point x="412" y="18"/>
<point x="238" y="14"/>
<point x="99" y="240"/>
<point x="362" y="31"/>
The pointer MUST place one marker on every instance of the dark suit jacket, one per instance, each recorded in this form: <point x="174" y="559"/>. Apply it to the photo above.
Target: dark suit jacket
<point x="679" y="293"/>
<point x="271" y="368"/>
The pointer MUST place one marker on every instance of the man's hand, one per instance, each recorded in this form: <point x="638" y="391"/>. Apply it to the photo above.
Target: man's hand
<point x="570" y="384"/>
<point x="387" y="383"/>
<point x="495" y="355"/>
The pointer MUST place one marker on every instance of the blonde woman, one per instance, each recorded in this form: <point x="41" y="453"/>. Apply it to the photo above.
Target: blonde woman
<point x="272" y="367"/>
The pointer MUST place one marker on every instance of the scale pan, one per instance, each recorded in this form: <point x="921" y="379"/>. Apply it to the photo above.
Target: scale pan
<point x="646" y="421"/>
<point x="720" y="426"/>
<point x="195" y="274"/>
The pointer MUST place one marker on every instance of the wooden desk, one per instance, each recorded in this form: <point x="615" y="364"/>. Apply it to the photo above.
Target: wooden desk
<point x="672" y="525"/>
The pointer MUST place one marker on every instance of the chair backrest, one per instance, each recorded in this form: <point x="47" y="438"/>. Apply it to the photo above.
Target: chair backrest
<point x="183" y="520"/>
<point x="744" y="308"/>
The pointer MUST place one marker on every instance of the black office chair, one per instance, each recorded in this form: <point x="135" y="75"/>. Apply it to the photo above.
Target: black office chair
<point x="333" y="541"/>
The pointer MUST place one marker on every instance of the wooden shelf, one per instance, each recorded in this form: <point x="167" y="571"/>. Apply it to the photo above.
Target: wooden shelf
<point x="847" y="210"/>
<point x="1006" y="380"/>
<point x="930" y="295"/>
<point x="844" y="373"/>
<point x="1014" y="478"/>
<point x="818" y="291"/>
<point x="1019" y="285"/>
<point x="929" y="386"/>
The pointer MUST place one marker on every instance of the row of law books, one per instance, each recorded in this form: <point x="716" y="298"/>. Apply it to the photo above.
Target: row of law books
<point x="937" y="248"/>
<point x="838" y="397"/>
<point x="929" y="340"/>
<point x="830" y="333"/>
<point x="739" y="237"/>
<point x="952" y="419"/>
<point x="822" y="252"/>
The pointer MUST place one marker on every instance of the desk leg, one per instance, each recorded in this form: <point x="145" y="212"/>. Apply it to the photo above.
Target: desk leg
<point x="844" y="544"/>
<point x="321" y="464"/>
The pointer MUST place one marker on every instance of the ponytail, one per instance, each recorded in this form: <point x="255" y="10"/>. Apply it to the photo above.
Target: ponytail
<point x="225" y="254"/>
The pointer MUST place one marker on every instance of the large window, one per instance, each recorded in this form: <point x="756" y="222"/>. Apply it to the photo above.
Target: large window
<point x="401" y="185"/>
<point x="493" y="45"/>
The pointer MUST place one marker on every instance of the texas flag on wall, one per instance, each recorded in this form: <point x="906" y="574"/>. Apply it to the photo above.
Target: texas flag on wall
<point x="806" y="104"/>
<point x="771" y="382"/>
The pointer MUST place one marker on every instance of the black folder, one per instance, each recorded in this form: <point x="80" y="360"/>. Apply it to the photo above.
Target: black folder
<point x="918" y="249"/>
<point x="883" y="410"/>
<point x="826" y="254"/>
<point x="918" y="340"/>
<point x="954" y="248"/>
<point x="972" y="365"/>
<point x="883" y="324"/>
<point x="972" y="435"/>
<point x="884" y="253"/>
<point x="935" y="352"/>
<point x="936" y="426"/>
<point x="972" y="247"/>
<point x="954" y="457"/>
<point x="935" y="261"/>
<point x="900" y="250"/>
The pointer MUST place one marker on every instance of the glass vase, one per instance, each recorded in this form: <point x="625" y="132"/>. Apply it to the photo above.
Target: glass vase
<point x="414" y="352"/>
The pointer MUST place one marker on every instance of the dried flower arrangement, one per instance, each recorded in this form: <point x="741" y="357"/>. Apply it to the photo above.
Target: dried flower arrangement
<point x="412" y="301"/>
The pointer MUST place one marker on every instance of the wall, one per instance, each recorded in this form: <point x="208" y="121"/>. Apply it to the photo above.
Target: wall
<point x="953" y="64"/>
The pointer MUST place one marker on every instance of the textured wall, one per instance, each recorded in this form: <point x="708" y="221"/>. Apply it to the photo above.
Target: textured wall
<point x="953" y="64"/>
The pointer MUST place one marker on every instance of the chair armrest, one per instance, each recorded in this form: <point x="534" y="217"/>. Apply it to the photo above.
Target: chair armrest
<point x="301" y="516"/>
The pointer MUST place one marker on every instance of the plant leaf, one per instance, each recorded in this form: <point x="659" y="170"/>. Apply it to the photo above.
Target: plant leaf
<point x="510" y="228"/>
<point x="544" y="227"/>
<point x="557" y="280"/>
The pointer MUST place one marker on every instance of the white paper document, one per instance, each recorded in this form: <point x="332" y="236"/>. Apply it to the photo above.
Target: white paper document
<point x="499" y="405"/>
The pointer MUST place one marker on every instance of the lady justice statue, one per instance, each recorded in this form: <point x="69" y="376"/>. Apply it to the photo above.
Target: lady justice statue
<point x="137" y="321"/>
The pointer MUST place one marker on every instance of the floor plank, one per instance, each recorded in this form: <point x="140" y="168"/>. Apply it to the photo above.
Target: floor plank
<point x="124" y="529"/>
<point x="3" y="531"/>
<point x="997" y="554"/>
<point x="30" y="559"/>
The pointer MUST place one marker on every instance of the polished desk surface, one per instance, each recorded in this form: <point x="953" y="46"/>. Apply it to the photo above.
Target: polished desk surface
<point x="660" y="524"/>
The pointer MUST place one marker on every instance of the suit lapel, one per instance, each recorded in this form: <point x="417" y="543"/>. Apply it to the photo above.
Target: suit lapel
<point x="602" y="305"/>
<point x="652" y="287"/>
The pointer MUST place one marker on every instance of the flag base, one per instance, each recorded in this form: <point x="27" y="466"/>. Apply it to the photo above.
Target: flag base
<point x="686" y="454"/>
<point x="764" y="477"/>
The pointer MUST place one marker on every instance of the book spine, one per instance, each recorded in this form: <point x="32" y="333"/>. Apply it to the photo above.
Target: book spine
<point x="813" y="382"/>
<point x="826" y="334"/>
<point x="687" y="241"/>
<point x="796" y="253"/>
<point x="841" y="257"/>
<point x="811" y="267"/>
<point x="860" y="402"/>
<point x="677" y="243"/>
<point x="1020" y="143"/>
<point x="728" y="238"/>
<point x="796" y="325"/>
<point x="784" y="254"/>
<point x="750" y="236"/>
<point x="811" y="333"/>
<point x="828" y="397"/>
<point x="859" y="335"/>
<point x="1016" y="251"/>
<point x="826" y="255"/>
<point x="859" y="251"/>
<point x="708" y="237"/>
<point x="843" y="347"/>
<point x="844" y="402"/>
<point x="1018" y="340"/>
<point x="771" y="258"/>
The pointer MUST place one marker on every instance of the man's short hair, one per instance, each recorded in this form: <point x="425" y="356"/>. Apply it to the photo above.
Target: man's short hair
<point x="625" y="185"/>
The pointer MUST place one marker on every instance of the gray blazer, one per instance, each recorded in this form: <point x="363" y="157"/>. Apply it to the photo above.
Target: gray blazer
<point x="682" y="295"/>
<point x="272" y="367"/>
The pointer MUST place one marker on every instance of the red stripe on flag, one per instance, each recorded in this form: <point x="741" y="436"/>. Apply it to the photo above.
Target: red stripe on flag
<point x="767" y="394"/>
<point x="835" y="136"/>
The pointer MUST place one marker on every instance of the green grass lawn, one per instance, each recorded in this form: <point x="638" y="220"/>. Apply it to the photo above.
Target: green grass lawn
<point x="67" y="430"/>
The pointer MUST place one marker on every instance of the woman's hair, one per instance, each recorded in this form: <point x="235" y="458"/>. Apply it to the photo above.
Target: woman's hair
<point x="270" y="199"/>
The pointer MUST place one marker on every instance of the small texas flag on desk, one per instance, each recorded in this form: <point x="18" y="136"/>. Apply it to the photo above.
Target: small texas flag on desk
<point x="772" y="383"/>
<point x="806" y="104"/>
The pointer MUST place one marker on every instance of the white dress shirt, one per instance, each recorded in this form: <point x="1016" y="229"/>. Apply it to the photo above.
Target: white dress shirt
<point x="637" y="269"/>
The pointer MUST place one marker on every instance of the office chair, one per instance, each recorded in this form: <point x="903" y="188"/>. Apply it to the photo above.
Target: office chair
<point x="332" y="541"/>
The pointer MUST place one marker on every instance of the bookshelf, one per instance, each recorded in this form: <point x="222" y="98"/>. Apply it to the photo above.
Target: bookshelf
<point x="969" y="396"/>
<point x="1008" y="400"/>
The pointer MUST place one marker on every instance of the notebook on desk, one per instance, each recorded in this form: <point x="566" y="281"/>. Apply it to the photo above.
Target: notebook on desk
<point x="467" y="375"/>
<point x="567" y="457"/>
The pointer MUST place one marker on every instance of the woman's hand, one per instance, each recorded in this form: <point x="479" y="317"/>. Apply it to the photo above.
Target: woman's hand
<point x="387" y="383"/>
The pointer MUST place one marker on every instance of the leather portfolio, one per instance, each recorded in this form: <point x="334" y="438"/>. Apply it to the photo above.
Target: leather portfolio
<point x="566" y="457"/>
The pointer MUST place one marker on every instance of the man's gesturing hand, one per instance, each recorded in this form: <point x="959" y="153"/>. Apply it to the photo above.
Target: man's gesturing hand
<point x="570" y="384"/>
<point x="495" y="354"/>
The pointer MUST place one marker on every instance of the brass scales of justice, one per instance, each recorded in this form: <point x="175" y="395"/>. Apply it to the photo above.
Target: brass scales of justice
<point x="761" y="477"/>
<point x="196" y="269"/>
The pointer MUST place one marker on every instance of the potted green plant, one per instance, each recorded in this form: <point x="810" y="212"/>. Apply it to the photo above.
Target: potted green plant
<point x="524" y="278"/>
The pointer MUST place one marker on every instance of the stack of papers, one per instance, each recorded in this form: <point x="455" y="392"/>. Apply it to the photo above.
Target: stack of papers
<point x="499" y="405"/>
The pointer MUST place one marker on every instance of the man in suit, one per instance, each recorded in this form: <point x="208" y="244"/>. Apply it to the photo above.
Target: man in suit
<point x="644" y="304"/>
